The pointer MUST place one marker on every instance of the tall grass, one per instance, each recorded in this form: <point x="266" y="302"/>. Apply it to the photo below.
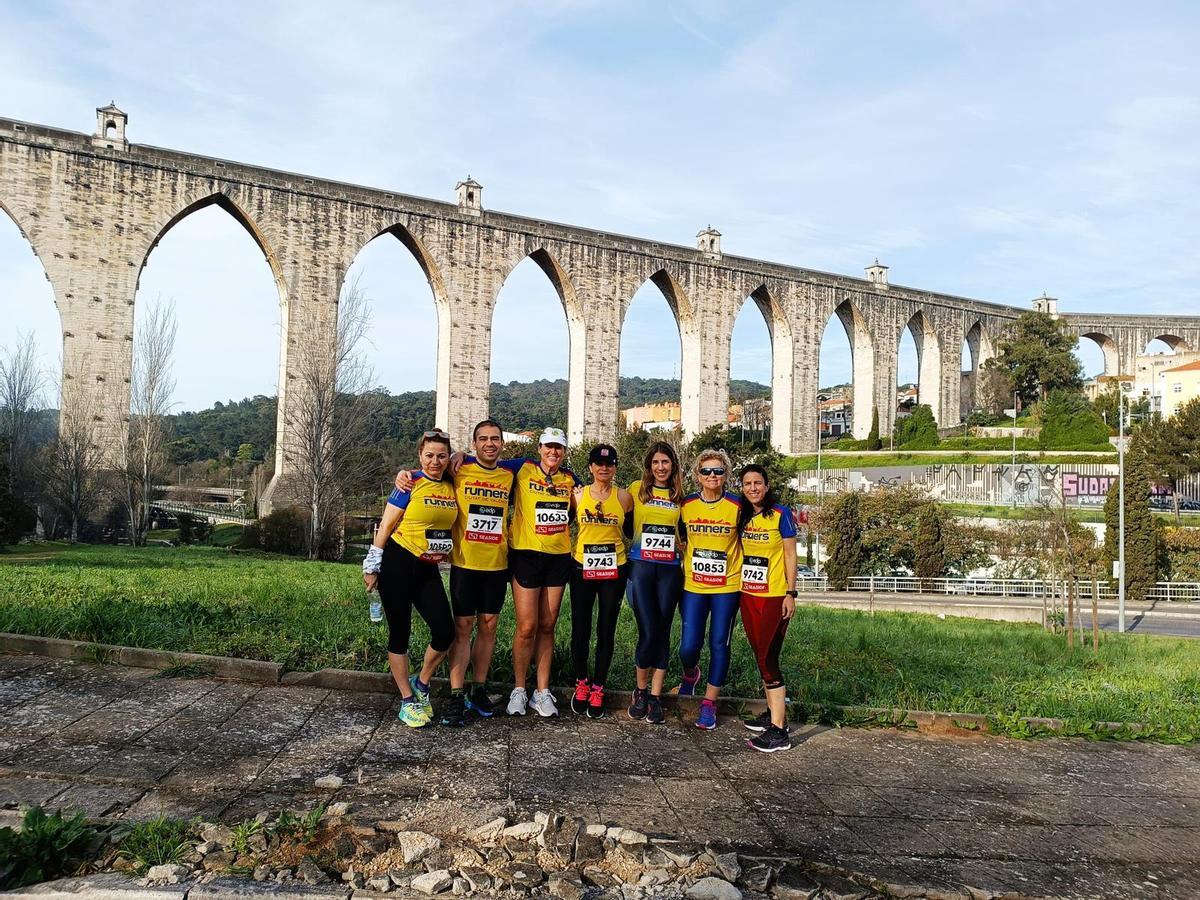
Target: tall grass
<point x="309" y="615"/>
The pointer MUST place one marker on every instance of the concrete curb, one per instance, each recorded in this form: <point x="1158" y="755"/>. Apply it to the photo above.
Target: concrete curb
<point x="250" y="670"/>
<point x="258" y="672"/>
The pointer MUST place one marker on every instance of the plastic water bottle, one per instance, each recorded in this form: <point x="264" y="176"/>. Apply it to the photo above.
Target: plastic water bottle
<point x="376" y="606"/>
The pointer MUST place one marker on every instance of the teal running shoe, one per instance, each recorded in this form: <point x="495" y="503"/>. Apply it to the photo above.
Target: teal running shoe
<point x="413" y="714"/>
<point x="421" y="695"/>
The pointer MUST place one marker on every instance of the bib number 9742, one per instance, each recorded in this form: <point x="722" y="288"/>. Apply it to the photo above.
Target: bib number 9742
<point x="755" y="572"/>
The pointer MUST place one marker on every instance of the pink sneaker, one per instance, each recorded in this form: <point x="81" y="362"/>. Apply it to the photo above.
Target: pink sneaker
<point x="595" y="708"/>
<point x="579" y="700"/>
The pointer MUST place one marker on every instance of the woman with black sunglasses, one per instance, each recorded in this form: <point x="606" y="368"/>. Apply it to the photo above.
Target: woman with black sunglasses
<point x="712" y="580"/>
<point x="601" y="511"/>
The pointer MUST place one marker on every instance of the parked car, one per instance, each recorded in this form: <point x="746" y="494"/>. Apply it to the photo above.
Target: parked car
<point x="803" y="571"/>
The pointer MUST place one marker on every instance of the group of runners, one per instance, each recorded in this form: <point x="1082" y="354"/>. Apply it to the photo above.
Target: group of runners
<point x="708" y="555"/>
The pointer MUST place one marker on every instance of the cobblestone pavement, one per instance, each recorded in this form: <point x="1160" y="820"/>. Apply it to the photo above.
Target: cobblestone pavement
<point x="1053" y="817"/>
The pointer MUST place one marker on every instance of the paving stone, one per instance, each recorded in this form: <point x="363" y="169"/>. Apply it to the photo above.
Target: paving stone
<point x="416" y="845"/>
<point x="25" y="791"/>
<point x="713" y="889"/>
<point x="793" y="883"/>
<point x="432" y="882"/>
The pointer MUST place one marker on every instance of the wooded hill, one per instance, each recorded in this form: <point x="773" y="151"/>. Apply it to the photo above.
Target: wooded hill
<point x="519" y="406"/>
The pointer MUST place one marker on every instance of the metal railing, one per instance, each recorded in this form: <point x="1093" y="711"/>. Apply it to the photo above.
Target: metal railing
<point x="216" y="512"/>
<point x="1184" y="591"/>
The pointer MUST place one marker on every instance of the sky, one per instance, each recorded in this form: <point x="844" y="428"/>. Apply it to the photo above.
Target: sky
<point x="988" y="149"/>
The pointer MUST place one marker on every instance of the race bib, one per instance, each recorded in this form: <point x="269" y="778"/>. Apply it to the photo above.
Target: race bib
<point x="599" y="561"/>
<point x="658" y="543"/>
<point x="551" y="517"/>
<point x="438" y="545"/>
<point x="754" y="574"/>
<point x="485" y="524"/>
<point x="709" y="567"/>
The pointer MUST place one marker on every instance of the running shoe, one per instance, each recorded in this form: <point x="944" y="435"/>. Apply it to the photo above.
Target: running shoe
<point x="637" y="706"/>
<point x="759" y="723"/>
<point x="517" y="701"/>
<point x="480" y="703"/>
<point x="543" y="704"/>
<point x="421" y="695"/>
<point x="707" y="719"/>
<point x="453" y="711"/>
<point x="412" y="713"/>
<point x="654" y="710"/>
<point x="579" y="700"/>
<point x="595" y="707"/>
<point x="771" y="741"/>
<point x="687" y="688"/>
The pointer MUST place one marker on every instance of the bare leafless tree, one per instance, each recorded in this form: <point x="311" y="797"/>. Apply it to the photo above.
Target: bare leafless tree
<point x="152" y="388"/>
<point x="332" y="415"/>
<point x="22" y="393"/>
<point x="73" y="461"/>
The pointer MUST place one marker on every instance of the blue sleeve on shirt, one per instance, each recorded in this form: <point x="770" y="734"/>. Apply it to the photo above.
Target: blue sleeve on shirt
<point x="399" y="498"/>
<point x="513" y="465"/>
<point x="787" y="522"/>
<point x="574" y="478"/>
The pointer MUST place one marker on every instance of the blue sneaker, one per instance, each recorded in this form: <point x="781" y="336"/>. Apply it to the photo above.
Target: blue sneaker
<point x="708" y="715"/>
<point x="687" y="687"/>
<point x="421" y="695"/>
<point x="480" y="703"/>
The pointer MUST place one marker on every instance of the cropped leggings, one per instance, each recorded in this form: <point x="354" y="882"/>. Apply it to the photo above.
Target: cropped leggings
<point x="695" y="610"/>
<point x="654" y="590"/>
<point x="762" y="617"/>
<point x="407" y="583"/>
<point x="586" y="595"/>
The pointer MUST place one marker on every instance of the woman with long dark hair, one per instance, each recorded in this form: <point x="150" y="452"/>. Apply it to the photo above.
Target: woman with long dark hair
<point x="655" y="578"/>
<point x="768" y="599"/>
<point x="414" y="535"/>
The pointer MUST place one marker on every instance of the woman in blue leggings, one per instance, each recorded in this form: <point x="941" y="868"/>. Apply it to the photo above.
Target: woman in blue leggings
<point x="712" y="580"/>
<point x="655" y="579"/>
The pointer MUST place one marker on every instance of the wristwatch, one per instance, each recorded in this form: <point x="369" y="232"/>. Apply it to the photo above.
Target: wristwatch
<point x="789" y="593"/>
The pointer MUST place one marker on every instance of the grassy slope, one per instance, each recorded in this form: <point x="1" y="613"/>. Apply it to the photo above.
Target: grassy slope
<point x="883" y="458"/>
<point x="312" y="615"/>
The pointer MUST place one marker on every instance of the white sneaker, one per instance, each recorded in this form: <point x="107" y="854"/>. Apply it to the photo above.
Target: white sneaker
<point x="517" y="701"/>
<point x="543" y="704"/>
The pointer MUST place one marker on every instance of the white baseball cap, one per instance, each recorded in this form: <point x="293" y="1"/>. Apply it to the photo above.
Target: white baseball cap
<point x="553" y="436"/>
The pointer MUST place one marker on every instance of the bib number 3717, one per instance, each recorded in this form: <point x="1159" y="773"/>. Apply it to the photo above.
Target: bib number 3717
<point x="709" y="567"/>
<point x="485" y="524"/>
<point x="599" y="562"/>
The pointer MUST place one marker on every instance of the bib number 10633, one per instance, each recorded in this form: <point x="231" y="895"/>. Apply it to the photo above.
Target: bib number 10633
<point x="550" y="517"/>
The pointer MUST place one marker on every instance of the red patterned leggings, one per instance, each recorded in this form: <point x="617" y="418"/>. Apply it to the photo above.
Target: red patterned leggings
<point x="762" y="617"/>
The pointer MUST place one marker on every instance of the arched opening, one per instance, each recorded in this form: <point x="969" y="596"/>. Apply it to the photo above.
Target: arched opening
<point x="531" y="347"/>
<point x="31" y="341"/>
<point x="110" y="128"/>
<point x="760" y="394"/>
<point x="208" y="264"/>
<point x="1160" y="354"/>
<point x="1098" y="354"/>
<point x="976" y="350"/>
<point x="651" y="358"/>
<point x="1164" y="345"/>
<point x="846" y="375"/>
<point x="920" y="358"/>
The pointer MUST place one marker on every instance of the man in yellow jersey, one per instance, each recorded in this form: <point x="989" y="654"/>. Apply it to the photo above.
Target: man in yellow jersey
<point x="478" y="568"/>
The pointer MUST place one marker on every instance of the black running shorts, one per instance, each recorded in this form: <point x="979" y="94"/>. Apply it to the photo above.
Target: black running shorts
<point x="534" y="569"/>
<point x="477" y="593"/>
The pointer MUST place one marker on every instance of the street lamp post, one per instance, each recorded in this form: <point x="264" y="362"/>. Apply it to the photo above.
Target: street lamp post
<point x="820" y="495"/>
<point x="1121" y="509"/>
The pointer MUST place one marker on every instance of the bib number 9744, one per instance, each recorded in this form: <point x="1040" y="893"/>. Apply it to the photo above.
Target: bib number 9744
<point x="658" y="543"/>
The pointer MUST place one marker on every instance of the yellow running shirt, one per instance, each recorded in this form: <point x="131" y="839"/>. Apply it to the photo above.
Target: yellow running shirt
<point x="762" y="553"/>
<point x="655" y="527"/>
<point x="429" y="514"/>
<point x="713" y="562"/>
<point x="600" y="540"/>
<point x="541" y="507"/>
<point x="480" y="531"/>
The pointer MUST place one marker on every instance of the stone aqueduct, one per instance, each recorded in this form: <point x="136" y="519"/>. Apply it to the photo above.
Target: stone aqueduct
<point x="94" y="206"/>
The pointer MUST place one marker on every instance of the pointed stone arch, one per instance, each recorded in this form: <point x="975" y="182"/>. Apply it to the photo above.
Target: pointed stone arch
<point x="929" y="361"/>
<point x="862" y="367"/>
<point x="980" y="347"/>
<point x="1108" y="346"/>
<point x="782" y="362"/>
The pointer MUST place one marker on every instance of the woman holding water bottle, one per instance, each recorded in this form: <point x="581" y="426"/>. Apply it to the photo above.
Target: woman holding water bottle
<point x="414" y="535"/>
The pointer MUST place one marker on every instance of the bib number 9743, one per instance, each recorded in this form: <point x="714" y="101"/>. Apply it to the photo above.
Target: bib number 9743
<point x="599" y="562"/>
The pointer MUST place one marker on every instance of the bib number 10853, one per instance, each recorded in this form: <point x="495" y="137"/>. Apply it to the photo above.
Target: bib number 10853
<point x="709" y="567"/>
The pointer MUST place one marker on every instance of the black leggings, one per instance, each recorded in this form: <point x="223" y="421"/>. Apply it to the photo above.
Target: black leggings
<point x="405" y="583"/>
<point x="654" y="592"/>
<point x="584" y="594"/>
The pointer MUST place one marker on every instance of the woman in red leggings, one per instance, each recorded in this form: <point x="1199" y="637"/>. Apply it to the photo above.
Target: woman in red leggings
<point x="768" y="600"/>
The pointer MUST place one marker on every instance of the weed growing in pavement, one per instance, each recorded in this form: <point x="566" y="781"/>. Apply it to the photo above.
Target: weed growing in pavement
<point x="181" y="669"/>
<point x="157" y="842"/>
<point x="242" y="832"/>
<point x="45" y="847"/>
<point x="301" y="827"/>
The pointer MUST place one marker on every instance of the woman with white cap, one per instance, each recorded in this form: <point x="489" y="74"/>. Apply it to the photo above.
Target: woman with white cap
<point x="540" y="560"/>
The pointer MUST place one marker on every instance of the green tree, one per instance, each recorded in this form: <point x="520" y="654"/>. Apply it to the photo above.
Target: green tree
<point x="1038" y="353"/>
<point x="845" y="539"/>
<point x="245" y="452"/>
<point x="930" y="559"/>
<point x="873" y="441"/>
<point x="1069" y="422"/>
<point x="1173" y="448"/>
<point x="1145" y="552"/>
<point x="917" y="430"/>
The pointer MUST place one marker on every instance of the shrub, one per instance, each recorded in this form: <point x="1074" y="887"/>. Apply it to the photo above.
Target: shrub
<point x="873" y="441"/>
<point x="193" y="529"/>
<point x="917" y="430"/>
<point x="45" y="847"/>
<point x="1069" y="421"/>
<point x="283" y="531"/>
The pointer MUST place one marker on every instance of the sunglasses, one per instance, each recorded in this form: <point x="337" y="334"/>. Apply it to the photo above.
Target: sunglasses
<point x="712" y="470"/>
<point x="435" y="433"/>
